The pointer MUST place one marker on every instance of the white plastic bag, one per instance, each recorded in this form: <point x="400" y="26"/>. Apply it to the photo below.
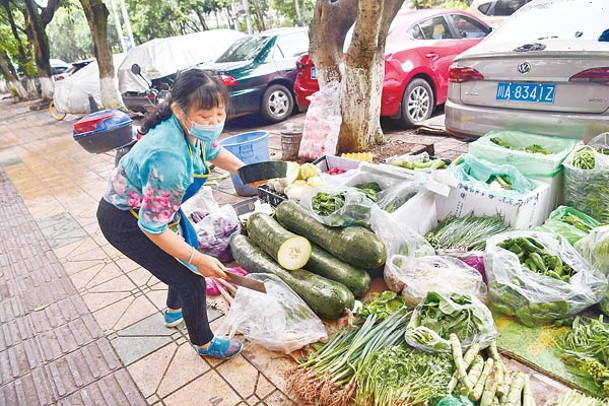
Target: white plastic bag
<point x="431" y="334"/>
<point x="435" y="274"/>
<point x="322" y="123"/>
<point x="595" y="249"/>
<point x="278" y="320"/>
<point x="535" y="298"/>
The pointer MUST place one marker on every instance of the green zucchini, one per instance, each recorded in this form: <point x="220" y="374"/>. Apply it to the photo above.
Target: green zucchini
<point x="325" y="264"/>
<point x="291" y="251"/>
<point x="328" y="299"/>
<point x="354" y="245"/>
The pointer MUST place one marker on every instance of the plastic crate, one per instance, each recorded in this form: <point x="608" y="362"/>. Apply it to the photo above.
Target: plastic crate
<point x="269" y="196"/>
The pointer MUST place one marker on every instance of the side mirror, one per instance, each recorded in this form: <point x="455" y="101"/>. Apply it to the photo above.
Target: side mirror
<point x="135" y="69"/>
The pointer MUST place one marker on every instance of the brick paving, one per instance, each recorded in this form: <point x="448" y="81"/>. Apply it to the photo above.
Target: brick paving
<point x="47" y="330"/>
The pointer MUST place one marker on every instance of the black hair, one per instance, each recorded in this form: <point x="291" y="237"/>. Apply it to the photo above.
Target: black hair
<point x="192" y="88"/>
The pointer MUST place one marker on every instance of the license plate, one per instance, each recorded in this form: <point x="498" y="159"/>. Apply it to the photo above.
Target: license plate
<point x="313" y="73"/>
<point x="526" y="92"/>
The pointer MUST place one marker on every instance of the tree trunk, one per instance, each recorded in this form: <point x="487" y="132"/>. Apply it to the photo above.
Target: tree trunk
<point x="202" y="20"/>
<point x="259" y="16"/>
<point x="11" y="77"/>
<point x="41" y="49"/>
<point x="97" y="17"/>
<point x="327" y="31"/>
<point x="298" y="15"/>
<point x="23" y="56"/>
<point x="364" y="73"/>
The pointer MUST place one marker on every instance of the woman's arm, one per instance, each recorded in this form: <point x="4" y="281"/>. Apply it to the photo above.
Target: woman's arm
<point x="227" y="161"/>
<point x="175" y="246"/>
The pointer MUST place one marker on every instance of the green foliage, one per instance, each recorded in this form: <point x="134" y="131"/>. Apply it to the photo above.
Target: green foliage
<point x="459" y="4"/>
<point x="287" y="10"/>
<point x="10" y="45"/>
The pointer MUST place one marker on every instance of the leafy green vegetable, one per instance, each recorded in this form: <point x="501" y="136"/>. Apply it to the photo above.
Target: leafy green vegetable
<point x="586" y="345"/>
<point x="443" y="315"/>
<point x="382" y="305"/>
<point x="468" y="233"/>
<point x="584" y="158"/>
<point x="370" y="189"/>
<point x="533" y="148"/>
<point x="400" y="375"/>
<point x="325" y="204"/>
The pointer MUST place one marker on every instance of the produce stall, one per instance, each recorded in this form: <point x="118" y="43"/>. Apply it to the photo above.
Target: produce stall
<point x="475" y="258"/>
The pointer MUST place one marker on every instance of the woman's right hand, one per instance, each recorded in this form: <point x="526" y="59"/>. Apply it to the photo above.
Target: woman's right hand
<point x="210" y="266"/>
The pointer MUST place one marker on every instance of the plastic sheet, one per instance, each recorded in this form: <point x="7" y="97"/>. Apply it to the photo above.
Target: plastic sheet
<point x="424" y="335"/>
<point x="80" y="93"/>
<point x="278" y="320"/>
<point x="535" y="298"/>
<point x="322" y="123"/>
<point x="529" y="163"/>
<point x="556" y="224"/>
<point x="435" y="274"/>
<point x="165" y="56"/>
<point x="483" y="174"/>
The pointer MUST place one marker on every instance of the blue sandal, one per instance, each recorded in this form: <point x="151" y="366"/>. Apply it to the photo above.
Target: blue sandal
<point x="222" y="348"/>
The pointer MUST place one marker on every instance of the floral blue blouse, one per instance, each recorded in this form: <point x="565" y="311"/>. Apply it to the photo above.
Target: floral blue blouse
<point x="153" y="177"/>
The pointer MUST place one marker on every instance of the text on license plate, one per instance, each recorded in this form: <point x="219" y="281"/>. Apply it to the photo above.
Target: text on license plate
<point x="527" y="92"/>
<point x="313" y="73"/>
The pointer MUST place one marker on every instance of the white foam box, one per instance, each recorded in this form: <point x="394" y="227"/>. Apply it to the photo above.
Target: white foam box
<point x="556" y="184"/>
<point x="327" y="162"/>
<point x="455" y="198"/>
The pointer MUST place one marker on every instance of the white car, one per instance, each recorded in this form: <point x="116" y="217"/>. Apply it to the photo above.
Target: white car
<point x="545" y="71"/>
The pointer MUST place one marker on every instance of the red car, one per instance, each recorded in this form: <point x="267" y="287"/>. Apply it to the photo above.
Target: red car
<point x="420" y="47"/>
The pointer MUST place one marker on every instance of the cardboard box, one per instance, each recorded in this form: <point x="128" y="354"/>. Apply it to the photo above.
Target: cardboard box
<point x="456" y="198"/>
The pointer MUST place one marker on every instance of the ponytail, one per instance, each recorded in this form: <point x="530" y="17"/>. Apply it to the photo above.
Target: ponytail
<point x="156" y="115"/>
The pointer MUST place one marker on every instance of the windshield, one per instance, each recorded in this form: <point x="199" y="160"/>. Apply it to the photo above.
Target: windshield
<point x="244" y="49"/>
<point x="561" y="20"/>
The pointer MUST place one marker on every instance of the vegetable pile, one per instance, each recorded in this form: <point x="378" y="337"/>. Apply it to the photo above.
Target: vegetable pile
<point x="533" y="148"/>
<point x="570" y="223"/>
<point x="465" y="233"/>
<point x="298" y="181"/>
<point x="587" y="182"/>
<point x="424" y="164"/>
<point x="438" y="316"/>
<point x="370" y="365"/>
<point x="324" y="203"/>
<point x="382" y="305"/>
<point x="535" y="257"/>
<point x="575" y="398"/>
<point x="584" y="346"/>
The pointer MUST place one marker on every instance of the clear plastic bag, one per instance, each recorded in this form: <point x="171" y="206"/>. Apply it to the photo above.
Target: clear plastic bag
<point x="435" y="274"/>
<point x="322" y="123"/>
<point x="557" y="223"/>
<point x="595" y="248"/>
<point x="535" y="298"/>
<point x="278" y="320"/>
<point x="398" y="238"/>
<point x="587" y="189"/>
<point x="355" y="210"/>
<point x="397" y="186"/>
<point x="201" y="204"/>
<point x="430" y="325"/>
<point x="215" y="230"/>
<point x="485" y="175"/>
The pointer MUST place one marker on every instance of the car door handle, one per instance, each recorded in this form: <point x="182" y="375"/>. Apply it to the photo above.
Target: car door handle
<point x="432" y="56"/>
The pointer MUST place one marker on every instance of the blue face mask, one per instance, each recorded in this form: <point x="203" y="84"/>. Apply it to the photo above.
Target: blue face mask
<point x="206" y="133"/>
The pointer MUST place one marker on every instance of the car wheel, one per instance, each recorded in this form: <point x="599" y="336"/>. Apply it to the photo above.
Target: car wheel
<point x="277" y="103"/>
<point x="418" y="103"/>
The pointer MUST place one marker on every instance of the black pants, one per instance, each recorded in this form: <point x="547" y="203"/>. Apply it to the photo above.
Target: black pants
<point x="186" y="289"/>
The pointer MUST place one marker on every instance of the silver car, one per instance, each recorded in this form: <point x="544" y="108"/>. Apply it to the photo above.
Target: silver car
<point x="545" y="71"/>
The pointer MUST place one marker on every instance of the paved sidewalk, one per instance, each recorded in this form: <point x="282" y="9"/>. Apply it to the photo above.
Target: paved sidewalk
<point x="79" y="322"/>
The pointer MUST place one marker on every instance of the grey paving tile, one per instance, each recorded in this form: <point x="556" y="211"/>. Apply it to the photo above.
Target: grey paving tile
<point x="133" y="348"/>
